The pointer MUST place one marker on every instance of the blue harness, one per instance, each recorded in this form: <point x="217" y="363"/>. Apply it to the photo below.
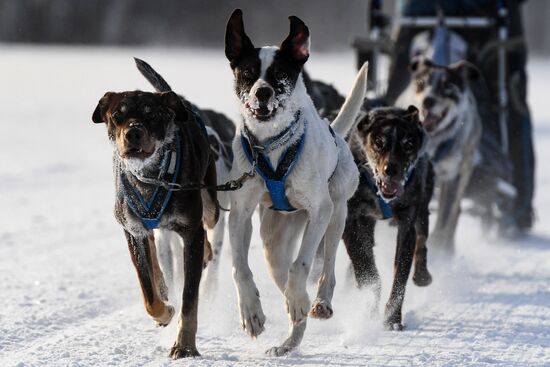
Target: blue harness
<point x="150" y="210"/>
<point x="385" y="207"/>
<point x="275" y="179"/>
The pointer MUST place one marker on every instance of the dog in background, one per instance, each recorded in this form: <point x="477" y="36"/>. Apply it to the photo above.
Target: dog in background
<point x="304" y="176"/>
<point x="221" y="132"/>
<point x="451" y="119"/>
<point x="396" y="182"/>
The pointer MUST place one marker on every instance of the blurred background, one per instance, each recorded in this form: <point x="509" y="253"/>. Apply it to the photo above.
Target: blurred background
<point x="202" y="22"/>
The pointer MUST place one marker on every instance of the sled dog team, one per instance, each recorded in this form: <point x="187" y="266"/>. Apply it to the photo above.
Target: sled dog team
<point x="176" y="166"/>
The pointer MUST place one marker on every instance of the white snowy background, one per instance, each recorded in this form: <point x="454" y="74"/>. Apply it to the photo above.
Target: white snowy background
<point x="69" y="295"/>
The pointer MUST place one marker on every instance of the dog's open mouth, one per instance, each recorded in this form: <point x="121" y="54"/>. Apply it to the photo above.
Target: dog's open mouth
<point x="136" y="153"/>
<point x="431" y="120"/>
<point x="262" y="113"/>
<point x="390" y="189"/>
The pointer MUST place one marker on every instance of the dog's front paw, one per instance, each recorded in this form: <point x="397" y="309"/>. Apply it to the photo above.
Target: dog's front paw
<point x="252" y="317"/>
<point x="278" y="351"/>
<point x="321" y="309"/>
<point x="396" y="326"/>
<point x="166" y="317"/>
<point x="422" y="277"/>
<point x="393" y="323"/>
<point x="297" y="306"/>
<point x="178" y="352"/>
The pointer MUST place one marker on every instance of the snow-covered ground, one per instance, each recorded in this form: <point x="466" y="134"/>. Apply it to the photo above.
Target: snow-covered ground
<point x="69" y="294"/>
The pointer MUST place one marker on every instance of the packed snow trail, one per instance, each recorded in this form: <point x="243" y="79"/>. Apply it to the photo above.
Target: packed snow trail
<point x="70" y="296"/>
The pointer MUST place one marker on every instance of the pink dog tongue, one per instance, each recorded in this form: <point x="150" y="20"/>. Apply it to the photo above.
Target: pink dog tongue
<point x="429" y="122"/>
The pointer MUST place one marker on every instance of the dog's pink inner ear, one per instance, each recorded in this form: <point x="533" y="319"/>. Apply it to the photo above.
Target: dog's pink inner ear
<point x="297" y="42"/>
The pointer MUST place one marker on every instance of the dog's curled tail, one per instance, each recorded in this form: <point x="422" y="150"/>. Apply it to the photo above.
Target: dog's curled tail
<point x="345" y="120"/>
<point x="152" y="76"/>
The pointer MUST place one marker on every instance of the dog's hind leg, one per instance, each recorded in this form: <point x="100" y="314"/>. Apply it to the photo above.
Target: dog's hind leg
<point x="193" y="253"/>
<point x="279" y="233"/>
<point x="163" y="244"/>
<point x="215" y="236"/>
<point x="151" y="280"/>
<point x="406" y="237"/>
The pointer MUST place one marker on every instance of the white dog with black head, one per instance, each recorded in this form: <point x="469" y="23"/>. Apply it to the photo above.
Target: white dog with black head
<point x="304" y="176"/>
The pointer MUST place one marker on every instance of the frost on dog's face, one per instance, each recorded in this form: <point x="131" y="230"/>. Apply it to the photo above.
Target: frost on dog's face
<point x="265" y="77"/>
<point x="392" y="139"/>
<point x="439" y="90"/>
<point x="138" y="122"/>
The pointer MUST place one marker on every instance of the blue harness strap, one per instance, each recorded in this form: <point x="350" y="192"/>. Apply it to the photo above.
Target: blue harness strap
<point x="274" y="179"/>
<point x="385" y="207"/>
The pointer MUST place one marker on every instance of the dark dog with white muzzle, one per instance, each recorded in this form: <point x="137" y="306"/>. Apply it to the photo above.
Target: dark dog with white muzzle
<point x="161" y="152"/>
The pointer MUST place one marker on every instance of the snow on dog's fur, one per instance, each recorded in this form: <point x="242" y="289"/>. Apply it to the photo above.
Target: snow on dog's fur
<point x="270" y="89"/>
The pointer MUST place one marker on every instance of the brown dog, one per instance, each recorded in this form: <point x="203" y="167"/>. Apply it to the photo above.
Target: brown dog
<point x="161" y="147"/>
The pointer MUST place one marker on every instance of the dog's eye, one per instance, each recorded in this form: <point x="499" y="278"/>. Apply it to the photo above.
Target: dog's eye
<point x="408" y="146"/>
<point x="148" y="112"/>
<point x="117" y="117"/>
<point x="379" y="143"/>
<point x="448" y="88"/>
<point x="246" y="74"/>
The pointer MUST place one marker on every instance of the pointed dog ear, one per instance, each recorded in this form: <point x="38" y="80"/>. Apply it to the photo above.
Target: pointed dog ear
<point x="466" y="69"/>
<point x="364" y="125"/>
<point x="236" y="40"/>
<point x="296" y="43"/>
<point x="100" y="111"/>
<point x="412" y="113"/>
<point x="413" y="116"/>
<point x="175" y="103"/>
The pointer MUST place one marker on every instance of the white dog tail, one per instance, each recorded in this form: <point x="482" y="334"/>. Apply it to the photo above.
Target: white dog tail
<point x="345" y="120"/>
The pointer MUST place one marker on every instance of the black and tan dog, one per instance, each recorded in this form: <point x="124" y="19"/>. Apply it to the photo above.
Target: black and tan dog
<point x="396" y="181"/>
<point x="161" y="146"/>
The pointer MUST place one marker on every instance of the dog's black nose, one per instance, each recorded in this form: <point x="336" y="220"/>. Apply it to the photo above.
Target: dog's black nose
<point x="428" y="102"/>
<point x="390" y="169"/>
<point x="134" y="135"/>
<point x="263" y="94"/>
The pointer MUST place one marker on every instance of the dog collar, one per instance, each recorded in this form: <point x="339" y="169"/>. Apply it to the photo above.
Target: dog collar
<point x="278" y="140"/>
<point x="275" y="179"/>
<point x="383" y="204"/>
